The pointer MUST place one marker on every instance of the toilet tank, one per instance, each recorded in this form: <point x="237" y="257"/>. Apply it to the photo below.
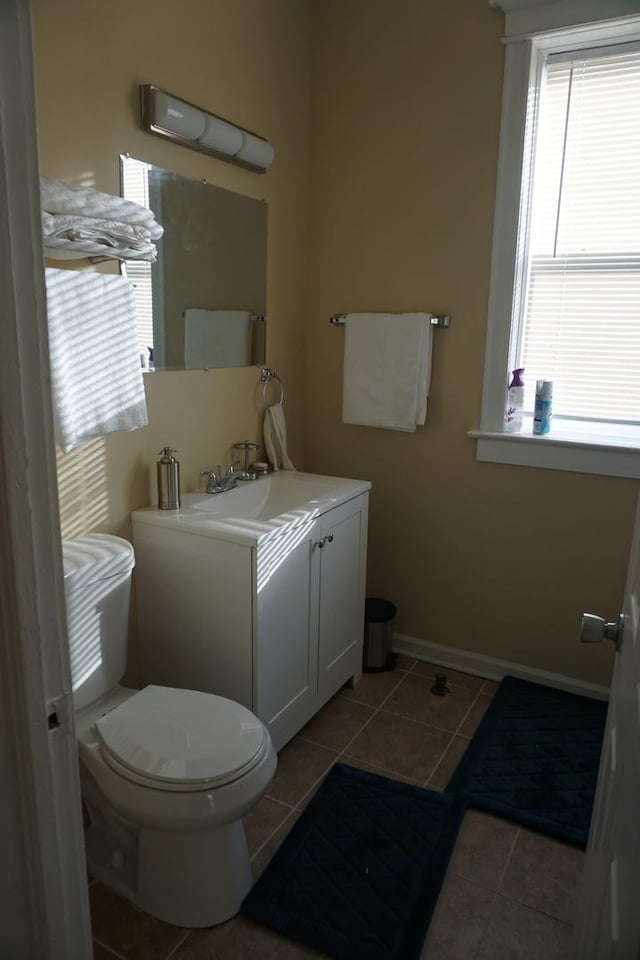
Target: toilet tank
<point x="97" y="586"/>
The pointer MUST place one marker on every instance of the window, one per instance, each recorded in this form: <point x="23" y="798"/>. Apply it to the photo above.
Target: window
<point x="579" y="324"/>
<point x="135" y="187"/>
<point x="565" y="286"/>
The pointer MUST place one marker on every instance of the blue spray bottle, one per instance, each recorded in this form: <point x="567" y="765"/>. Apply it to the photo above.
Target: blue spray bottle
<point x="542" y="408"/>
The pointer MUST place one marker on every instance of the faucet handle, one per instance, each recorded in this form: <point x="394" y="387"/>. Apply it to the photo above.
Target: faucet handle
<point x="231" y="470"/>
<point x="210" y="474"/>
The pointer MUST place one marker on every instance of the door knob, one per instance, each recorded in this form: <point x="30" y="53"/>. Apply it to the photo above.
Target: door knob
<point x="594" y="629"/>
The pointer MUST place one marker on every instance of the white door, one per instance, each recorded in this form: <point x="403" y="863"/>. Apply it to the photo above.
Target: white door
<point x="342" y="585"/>
<point x="43" y="886"/>
<point x="287" y="574"/>
<point x="608" y="925"/>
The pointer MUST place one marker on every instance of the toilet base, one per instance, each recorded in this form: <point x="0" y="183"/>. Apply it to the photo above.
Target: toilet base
<point x="189" y="880"/>
<point x="194" y="880"/>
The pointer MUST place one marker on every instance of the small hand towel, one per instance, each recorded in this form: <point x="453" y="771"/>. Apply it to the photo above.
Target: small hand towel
<point x="387" y="369"/>
<point x="217" y="338"/>
<point x="96" y="377"/>
<point x="274" y="432"/>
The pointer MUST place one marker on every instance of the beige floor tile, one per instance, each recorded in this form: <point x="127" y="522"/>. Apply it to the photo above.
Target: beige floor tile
<point x="490" y="686"/>
<point x="459" y="921"/>
<point x="263" y="857"/>
<point x="374" y="688"/>
<point x="475" y="715"/>
<point x="240" y="939"/>
<point x="300" y="764"/>
<point x="515" y="932"/>
<point x="482" y="849"/>
<point x="264" y="820"/>
<point x="450" y="760"/>
<point x="544" y="874"/>
<point x="405" y="663"/>
<point x="337" y="723"/>
<point x="454" y="677"/>
<point x="400" y="745"/>
<point x="380" y="771"/>
<point x="102" y="953"/>
<point x="413" y="698"/>
<point x="128" y="931"/>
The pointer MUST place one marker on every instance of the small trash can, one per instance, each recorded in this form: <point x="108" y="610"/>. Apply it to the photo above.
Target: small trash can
<point x="378" y="633"/>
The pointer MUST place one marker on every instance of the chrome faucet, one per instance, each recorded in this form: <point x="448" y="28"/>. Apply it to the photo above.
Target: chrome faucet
<point x="216" y="482"/>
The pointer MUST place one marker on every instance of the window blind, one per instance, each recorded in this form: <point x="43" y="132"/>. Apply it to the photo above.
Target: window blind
<point x="135" y="185"/>
<point x="580" y="324"/>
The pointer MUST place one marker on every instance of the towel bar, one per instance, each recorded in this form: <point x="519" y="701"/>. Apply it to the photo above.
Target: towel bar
<point x="437" y="320"/>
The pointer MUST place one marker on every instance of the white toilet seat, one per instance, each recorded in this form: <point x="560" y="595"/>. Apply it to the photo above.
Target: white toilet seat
<point x="181" y="740"/>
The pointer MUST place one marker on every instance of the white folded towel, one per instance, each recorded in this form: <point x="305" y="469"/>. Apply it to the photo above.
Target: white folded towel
<point x="387" y="369"/>
<point x="274" y="431"/>
<point x="59" y="197"/>
<point x="96" y="378"/>
<point x="216" y="338"/>
<point x="92" y="236"/>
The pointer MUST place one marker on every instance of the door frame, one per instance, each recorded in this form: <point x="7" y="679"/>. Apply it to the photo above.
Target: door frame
<point x="43" y="878"/>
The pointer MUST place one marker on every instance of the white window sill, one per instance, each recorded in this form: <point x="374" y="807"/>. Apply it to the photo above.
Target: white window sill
<point x="579" y="446"/>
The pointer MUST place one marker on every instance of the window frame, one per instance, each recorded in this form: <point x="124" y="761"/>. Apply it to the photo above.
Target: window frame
<point x="573" y="445"/>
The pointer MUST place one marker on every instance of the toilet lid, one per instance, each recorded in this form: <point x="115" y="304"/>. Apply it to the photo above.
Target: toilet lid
<point x="181" y="738"/>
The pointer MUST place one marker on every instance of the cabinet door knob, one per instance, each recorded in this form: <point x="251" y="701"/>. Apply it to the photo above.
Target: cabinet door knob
<point x="321" y="543"/>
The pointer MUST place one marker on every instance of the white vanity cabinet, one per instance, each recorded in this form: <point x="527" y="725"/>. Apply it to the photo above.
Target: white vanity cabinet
<point x="273" y="620"/>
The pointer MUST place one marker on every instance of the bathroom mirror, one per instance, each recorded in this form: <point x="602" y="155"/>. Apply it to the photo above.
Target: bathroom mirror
<point x="202" y="304"/>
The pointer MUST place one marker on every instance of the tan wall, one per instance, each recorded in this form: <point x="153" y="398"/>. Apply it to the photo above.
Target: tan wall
<point x="251" y="62"/>
<point x="405" y="120"/>
<point x="500" y="560"/>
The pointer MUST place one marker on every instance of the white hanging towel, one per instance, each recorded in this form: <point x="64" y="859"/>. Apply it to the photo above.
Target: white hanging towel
<point x="387" y="369"/>
<point x="96" y="377"/>
<point x="217" y="338"/>
<point x="274" y="431"/>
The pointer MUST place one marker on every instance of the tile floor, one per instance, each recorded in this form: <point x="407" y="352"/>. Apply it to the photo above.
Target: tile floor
<point x="509" y="894"/>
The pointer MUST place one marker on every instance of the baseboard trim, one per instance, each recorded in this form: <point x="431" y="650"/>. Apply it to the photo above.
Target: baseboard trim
<point x="491" y="667"/>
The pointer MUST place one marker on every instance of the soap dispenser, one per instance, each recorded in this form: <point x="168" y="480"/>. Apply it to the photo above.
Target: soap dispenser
<point x="168" y="470"/>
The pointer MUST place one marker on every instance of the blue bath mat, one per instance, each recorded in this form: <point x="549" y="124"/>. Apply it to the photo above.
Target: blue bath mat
<point x="359" y="874"/>
<point x="534" y="759"/>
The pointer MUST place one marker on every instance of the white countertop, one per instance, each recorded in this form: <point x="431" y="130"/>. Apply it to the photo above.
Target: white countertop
<point x="255" y="510"/>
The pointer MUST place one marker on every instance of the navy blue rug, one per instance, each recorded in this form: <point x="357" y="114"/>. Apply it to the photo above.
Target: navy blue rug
<point x="534" y="759"/>
<point x="359" y="874"/>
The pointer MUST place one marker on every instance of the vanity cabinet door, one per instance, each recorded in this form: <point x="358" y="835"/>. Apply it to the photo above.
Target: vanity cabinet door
<point x="342" y="595"/>
<point x="286" y="653"/>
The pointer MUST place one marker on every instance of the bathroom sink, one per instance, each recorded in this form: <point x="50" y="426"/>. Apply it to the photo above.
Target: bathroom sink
<point x="265" y="498"/>
<point x="257" y="508"/>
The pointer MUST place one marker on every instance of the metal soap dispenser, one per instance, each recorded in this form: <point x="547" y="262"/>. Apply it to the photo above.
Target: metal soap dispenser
<point x="168" y="480"/>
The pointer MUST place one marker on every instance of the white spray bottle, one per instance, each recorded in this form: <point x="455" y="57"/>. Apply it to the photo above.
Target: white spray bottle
<point x="515" y="402"/>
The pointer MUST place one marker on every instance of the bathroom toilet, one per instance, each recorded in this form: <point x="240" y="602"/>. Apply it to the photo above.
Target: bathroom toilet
<point x="167" y="774"/>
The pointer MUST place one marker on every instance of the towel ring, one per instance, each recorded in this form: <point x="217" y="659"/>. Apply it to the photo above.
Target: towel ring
<point x="266" y="375"/>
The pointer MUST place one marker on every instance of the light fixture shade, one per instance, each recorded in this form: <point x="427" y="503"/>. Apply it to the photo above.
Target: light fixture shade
<point x="178" y="117"/>
<point x="167" y="116"/>
<point x="222" y="136"/>
<point x="255" y="151"/>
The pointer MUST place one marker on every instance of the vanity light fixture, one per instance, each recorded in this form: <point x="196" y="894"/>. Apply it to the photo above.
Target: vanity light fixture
<point x="180" y="121"/>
